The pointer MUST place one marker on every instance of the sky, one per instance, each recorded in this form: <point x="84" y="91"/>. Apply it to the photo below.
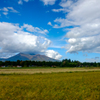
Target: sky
<point x="60" y="29"/>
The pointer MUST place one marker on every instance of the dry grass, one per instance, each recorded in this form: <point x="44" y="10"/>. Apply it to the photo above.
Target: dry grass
<point x="45" y="70"/>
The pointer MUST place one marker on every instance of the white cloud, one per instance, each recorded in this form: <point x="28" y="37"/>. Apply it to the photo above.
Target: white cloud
<point x="12" y="10"/>
<point x="20" y="2"/>
<point x="66" y="3"/>
<point x="34" y="29"/>
<point x="59" y="10"/>
<point x="49" y="23"/>
<point x="81" y="12"/>
<point x="13" y="40"/>
<point x="53" y="54"/>
<point x="84" y="16"/>
<point x="86" y="44"/>
<point x="6" y="10"/>
<point x="5" y="13"/>
<point x="48" y="2"/>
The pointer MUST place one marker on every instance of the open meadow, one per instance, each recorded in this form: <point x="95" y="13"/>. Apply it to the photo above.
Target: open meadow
<point x="50" y="86"/>
<point x="33" y="70"/>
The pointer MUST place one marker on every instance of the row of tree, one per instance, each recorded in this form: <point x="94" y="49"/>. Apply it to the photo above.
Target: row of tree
<point x="63" y="63"/>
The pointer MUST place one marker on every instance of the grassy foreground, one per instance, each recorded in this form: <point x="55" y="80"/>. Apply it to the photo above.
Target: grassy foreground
<point x="50" y="86"/>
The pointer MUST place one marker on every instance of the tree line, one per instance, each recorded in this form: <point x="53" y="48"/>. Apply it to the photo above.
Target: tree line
<point x="63" y="63"/>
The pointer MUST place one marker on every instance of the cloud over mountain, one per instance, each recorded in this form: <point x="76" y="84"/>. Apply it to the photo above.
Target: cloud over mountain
<point x="14" y="39"/>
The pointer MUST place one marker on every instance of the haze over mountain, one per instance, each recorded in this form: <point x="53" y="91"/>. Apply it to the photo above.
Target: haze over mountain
<point x="23" y="57"/>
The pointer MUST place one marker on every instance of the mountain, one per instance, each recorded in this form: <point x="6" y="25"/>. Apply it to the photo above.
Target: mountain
<point x="23" y="57"/>
<point x="19" y="56"/>
<point x="2" y="59"/>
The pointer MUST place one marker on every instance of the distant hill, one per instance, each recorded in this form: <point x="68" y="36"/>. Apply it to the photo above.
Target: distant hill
<point x="23" y="57"/>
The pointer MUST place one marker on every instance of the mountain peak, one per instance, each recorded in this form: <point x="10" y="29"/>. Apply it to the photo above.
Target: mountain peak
<point x="34" y="57"/>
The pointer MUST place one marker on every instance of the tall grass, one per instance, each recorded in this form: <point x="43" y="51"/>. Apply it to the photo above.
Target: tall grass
<point x="51" y="86"/>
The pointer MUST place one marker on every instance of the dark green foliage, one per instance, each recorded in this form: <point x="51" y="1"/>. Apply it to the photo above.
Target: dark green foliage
<point x="63" y="63"/>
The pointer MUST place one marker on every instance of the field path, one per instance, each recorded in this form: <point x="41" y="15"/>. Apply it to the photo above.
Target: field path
<point x="44" y="70"/>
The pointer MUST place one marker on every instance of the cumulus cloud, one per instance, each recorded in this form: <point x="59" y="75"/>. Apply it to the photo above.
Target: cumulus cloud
<point x="84" y="16"/>
<point x="86" y="44"/>
<point x="80" y="12"/>
<point x="53" y="54"/>
<point x="64" y="4"/>
<point x="6" y="10"/>
<point x="14" y="39"/>
<point x="48" y="2"/>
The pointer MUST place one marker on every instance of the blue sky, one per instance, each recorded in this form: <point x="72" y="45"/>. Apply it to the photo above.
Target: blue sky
<point x="56" y="28"/>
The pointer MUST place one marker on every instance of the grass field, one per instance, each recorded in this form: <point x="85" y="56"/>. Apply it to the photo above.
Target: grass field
<point x="50" y="86"/>
<point x="43" y="70"/>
